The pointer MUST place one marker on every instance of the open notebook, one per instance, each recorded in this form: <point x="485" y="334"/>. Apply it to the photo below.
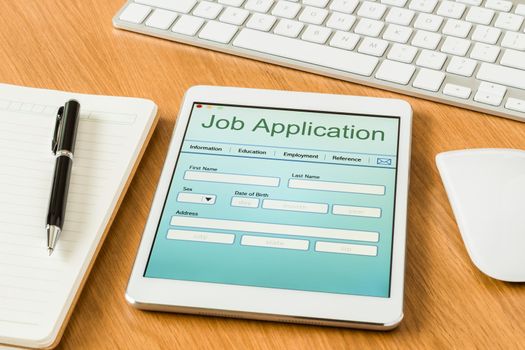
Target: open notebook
<point x="37" y="291"/>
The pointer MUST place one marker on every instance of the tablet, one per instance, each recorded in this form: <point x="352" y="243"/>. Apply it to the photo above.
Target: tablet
<point x="280" y="205"/>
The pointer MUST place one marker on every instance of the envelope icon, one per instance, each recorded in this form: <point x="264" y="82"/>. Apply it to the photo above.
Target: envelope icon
<point x="384" y="161"/>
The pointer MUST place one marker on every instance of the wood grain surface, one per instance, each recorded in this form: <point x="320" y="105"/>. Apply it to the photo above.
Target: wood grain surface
<point x="71" y="45"/>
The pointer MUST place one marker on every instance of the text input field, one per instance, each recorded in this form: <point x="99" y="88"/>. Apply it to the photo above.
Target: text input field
<point x="278" y="229"/>
<point x="336" y="186"/>
<point x="199" y="236"/>
<point x="232" y="178"/>
<point x="307" y="207"/>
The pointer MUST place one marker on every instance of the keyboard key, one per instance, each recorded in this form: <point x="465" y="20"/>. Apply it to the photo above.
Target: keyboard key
<point x="260" y="22"/>
<point x="286" y="9"/>
<point x="400" y="16"/>
<point x="423" y="5"/>
<point x="316" y="3"/>
<point x="514" y="41"/>
<point x="398" y="3"/>
<point x="493" y="88"/>
<point x="395" y="72"/>
<point x="499" y="5"/>
<point x="325" y="56"/>
<point x="520" y="9"/>
<point x="340" y="21"/>
<point x="431" y="59"/>
<point x="489" y="93"/>
<point x="402" y="53"/>
<point x="426" y="40"/>
<point x="207" y="9"/>
<point x="457" y="28"/>
<point x="455" y="46"/>
<point x="479" y="15"/>
<point x="344" y="40"/>
<point x="501" y="75"/>
<point x="217" y="31"/>
<point x="428" y="22"/>
<point x="513" y="58"/>
<point x="234" y="3"/>
<point x="345" y="6"/>
<point x="470" y="2"/>
<point x="368" y="27"/>
<point x="313" y="15"/>
<point x="457" y="91"/>
<point x="451" y="9"/>
<point x="161" y="19"/>
<point x="515" y="104"/>
<point x="183" y="6"/>
<point x="397" y="33"/>
<point x="461" y="66"/>
<point x="258" y="5"/>
<point x="484" y="52"/>
<point x="484" y="34"/>
<point x="316" y="34"/>
<point x="371" y="10"/>
<point x="234" y="15"/>
<point x="135" y="13"/>
<point x="509" y="21"/>
<point x="428" y="79"/>
<point x="372" y="46"/>
<point x="188" y="25"/>
<point x="288" y="28"/>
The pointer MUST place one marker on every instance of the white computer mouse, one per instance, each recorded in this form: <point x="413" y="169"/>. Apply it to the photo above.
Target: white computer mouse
<point x="486" y="189"/>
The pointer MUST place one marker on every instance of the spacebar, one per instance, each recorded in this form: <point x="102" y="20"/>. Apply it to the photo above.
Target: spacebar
<point x="299" y="50"/>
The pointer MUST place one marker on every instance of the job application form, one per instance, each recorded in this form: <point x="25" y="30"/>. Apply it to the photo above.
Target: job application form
<point x="281" y="198"/>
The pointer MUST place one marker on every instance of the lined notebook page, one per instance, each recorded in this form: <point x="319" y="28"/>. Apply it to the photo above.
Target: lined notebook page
<point x="36" y="290"/>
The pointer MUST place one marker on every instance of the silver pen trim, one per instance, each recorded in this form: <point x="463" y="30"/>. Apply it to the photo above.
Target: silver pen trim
<point x="64" y="152"/>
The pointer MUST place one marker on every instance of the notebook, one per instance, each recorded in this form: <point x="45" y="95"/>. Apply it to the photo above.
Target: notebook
<point x="37" y="291"/>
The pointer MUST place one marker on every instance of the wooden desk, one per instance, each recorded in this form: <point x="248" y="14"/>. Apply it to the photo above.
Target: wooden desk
<point x="71" y="45"/>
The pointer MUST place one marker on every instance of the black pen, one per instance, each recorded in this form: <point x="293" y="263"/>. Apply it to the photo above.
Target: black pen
<point x="63" y="146"/>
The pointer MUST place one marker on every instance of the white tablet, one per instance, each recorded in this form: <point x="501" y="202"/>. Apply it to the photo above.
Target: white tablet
<point x="280" y="206"/>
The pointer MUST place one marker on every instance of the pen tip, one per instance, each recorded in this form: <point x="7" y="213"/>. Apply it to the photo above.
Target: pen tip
<point x="50" y="251"/>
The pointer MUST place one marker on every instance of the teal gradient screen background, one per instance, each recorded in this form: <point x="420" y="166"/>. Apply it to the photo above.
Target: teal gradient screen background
<point x="287" y="146"/>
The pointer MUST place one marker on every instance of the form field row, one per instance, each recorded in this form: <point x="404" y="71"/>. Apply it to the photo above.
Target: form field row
<point x="270" y="181"/>
<point x="272" y="242"/>
<point x="275" y="204"/>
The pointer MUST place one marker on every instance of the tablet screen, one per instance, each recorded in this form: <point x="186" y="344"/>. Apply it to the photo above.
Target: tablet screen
<point x="281" y="198"/>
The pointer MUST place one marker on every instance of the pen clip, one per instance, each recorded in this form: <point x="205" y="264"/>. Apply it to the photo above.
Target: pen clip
<point x="54" y="143"/>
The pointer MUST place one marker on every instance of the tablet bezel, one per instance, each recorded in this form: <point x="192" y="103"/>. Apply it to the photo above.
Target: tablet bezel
<point x="243" y="301"/>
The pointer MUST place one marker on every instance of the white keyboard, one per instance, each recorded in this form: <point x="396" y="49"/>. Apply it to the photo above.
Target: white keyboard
<point x="467" y="53"/>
